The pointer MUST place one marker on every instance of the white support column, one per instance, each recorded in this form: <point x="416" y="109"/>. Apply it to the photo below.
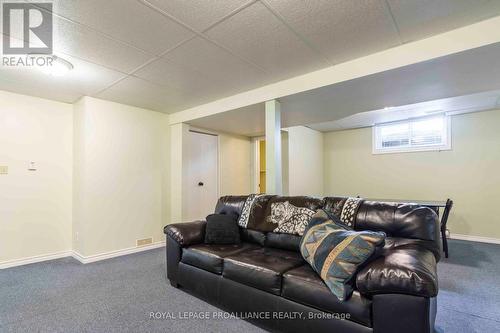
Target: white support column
<point x="178" y="143"/>
<point x="274" y="183"/>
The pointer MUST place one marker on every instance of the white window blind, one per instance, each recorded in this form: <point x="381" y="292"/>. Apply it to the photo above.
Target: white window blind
<point x="430" y="133"/>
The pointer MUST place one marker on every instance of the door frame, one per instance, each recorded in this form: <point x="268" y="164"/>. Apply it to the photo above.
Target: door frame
<point x="256" y="163"/>
<point x="218" y="159"/>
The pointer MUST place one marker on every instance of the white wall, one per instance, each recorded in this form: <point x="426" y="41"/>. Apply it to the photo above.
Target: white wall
<point x="305" y="161"/>
<point x="35" y="206"/>
<point x="119" y="177"/>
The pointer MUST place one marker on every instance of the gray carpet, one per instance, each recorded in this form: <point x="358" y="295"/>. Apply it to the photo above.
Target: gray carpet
<point x="117" y="295"/>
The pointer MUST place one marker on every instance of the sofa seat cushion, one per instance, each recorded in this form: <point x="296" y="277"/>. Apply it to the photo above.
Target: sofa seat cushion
<point x="210" y="256"/>
<point x="303" y="285"/>
<point x="261" y="268"/>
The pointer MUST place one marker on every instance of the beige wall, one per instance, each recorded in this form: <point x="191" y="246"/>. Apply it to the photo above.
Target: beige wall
<point x="235" y="165"/>
<point x="119" y="176"/>
<point x="305" y="161"/>
<point x="166" y="187"/>
<point x="35" y="206"/>
<point x="468" y="174"/>
<point x="178" y="156"/>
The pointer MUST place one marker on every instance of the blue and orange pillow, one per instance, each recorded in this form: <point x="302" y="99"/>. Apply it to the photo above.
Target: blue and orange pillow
<point x="336" y="252"/>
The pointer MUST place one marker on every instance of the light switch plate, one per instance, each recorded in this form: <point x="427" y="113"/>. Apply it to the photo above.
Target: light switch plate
<point x="4" y="170"/>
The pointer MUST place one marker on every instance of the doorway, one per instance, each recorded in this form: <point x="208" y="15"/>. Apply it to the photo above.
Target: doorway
<point x="202" y="181"/>
<point x="262" y="166"/>
<point x="259" y="168"/>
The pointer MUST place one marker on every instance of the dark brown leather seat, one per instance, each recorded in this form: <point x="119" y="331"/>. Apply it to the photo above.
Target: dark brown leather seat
<point x="261" y="268"/>
<point x="304" y="286"/>
<point x="395" y="292"/>
<point x="210" y="256"/>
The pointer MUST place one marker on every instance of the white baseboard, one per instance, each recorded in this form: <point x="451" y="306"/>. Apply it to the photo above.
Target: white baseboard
<point x="112" y="254"/>
<point x="34" y="259"/>
<point x="81" y="258"/>
<point x="475" y="238"/>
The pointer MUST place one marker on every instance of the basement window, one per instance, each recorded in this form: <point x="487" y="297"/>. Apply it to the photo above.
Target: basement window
<point x="419" y="134"/>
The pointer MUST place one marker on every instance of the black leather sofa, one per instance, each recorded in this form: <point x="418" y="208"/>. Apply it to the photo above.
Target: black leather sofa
<point x="265" y="275"/>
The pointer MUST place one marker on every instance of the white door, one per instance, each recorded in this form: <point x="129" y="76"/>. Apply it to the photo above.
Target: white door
<point x="202" y="176"/>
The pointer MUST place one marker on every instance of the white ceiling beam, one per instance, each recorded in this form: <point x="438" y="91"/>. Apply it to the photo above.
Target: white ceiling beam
<point x="462" y="39"/>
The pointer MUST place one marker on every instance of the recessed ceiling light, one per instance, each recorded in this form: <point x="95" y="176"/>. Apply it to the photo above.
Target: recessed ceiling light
<point x="57" y="67"/>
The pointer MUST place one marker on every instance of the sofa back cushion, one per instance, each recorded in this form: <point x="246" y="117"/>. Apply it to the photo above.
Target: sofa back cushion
<point x="334" y="205"/>
<point x="283" y="241"/>
<point x="253" y="236"/>
<point x="398" y="220"/>
<point x="253" y="215"/>
<point x="402" y="220"/>
<point x="234" y="204"/>
<point x="230" y="205"/>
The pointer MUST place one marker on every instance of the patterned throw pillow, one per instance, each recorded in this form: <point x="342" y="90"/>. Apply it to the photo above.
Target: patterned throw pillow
<point x="349" y="211"/>
<point x="336" y="252"/>
<point x="253" y="213"/>
<point x="289" y="218"/>
<point x="245" y="212"/>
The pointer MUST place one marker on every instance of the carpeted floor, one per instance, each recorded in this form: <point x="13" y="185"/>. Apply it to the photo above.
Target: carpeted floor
<point x="117" y="295"/>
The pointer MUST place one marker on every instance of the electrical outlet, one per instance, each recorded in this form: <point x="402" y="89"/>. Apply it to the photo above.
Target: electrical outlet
<point x="4" y="170"/>
<point x="145" y="241"/>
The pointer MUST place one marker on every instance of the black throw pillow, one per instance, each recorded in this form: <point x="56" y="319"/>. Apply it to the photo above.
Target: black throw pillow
<point x="222" y="229"/>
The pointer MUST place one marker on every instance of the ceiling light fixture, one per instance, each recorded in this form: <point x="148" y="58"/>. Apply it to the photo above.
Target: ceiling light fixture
<point x="57" y="67"/>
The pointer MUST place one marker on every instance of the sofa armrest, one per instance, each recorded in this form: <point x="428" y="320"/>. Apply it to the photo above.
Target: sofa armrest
<point x="409" y="269"/>
<point x="187" y="233"/>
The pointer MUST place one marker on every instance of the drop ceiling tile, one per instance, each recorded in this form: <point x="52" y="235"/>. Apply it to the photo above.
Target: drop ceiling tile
<point x="169" y="73"/>
<point x="424" y="18"/>
<point x="85" y="79"/>
<point x="91" y="46"/>
<point x="193" y="87"/>
<point x="256" y="34"/>
<point x="342" y="29"/>
<point x="38" y="90"/>
<point x="126" y="20"/>
<point x="144" y="94"/>
<point x="198" y="14"/>
<point x="226" y="73"/>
